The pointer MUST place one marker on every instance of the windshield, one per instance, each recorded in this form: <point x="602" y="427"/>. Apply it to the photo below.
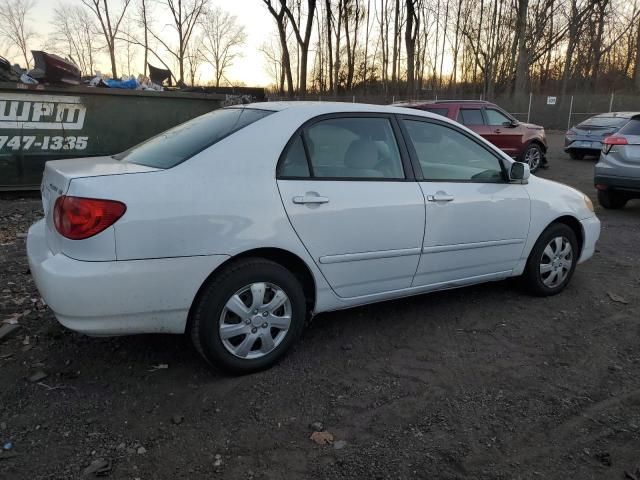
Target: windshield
<point x="179" y="143"/>
<point x="604" y="122"/>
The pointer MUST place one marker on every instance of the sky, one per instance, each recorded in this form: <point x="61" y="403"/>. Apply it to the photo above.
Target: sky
<point x="253" y="14"/>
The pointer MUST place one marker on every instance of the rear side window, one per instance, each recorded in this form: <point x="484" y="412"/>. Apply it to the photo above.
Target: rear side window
<point x="344" y="148"/>
<point x="294" y="164"/>
<point x="179" y="143"/>
<point x="438" y="111"/>
<point x="470" y="116"/>
<point x="631" y="128"/>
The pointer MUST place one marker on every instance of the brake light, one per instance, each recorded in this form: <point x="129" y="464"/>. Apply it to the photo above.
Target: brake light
<point x="78" y="218"/>
<point x="615" y="140"/>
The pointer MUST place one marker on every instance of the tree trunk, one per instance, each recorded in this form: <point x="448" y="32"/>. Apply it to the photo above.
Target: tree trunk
<point x="329" y="46"/>
<point x="396" y="33"/>
<point x="409" y="39"/>
<point x="146" y="38"/>
<point x="522" y="65"/>
<point x="637" y="66"/>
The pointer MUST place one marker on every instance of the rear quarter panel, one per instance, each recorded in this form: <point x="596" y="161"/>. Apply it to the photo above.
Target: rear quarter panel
<point x="223" y="201"/>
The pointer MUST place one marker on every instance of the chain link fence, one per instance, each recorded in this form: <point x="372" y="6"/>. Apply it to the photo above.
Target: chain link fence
<point x="552" y="112"/>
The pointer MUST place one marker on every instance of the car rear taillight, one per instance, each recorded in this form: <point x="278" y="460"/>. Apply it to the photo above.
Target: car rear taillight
<point x="611" y="141"/>
<point x="615" y="140"/>
<point x="78" y="218"/>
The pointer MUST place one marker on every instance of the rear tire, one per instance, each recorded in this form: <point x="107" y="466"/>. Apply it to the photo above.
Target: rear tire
<point x="576" y="155"/>
<point x="232" y="325"/>
<point x="611" y="199"/>
<point x="552" y="261"/>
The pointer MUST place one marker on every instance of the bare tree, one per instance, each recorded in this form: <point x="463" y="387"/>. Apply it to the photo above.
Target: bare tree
<point x="109" y="25"/>
<point x="185" y="15"/>
<point x="303" y="42"/>
<point x="74" y="35"/>
<point x="144" y="23"/>
<point x="14" y="28"/>
<point x="222" y="39"/>
<point x="281" y="22"/>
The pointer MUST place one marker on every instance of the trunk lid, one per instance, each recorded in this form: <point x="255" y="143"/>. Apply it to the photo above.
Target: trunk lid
<point x="58" y="175"/>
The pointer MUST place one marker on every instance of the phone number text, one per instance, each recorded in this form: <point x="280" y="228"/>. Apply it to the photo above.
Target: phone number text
<point x="28" y="142"/>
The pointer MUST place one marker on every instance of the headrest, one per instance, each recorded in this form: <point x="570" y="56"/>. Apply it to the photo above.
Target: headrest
<point x="361" y="154"/>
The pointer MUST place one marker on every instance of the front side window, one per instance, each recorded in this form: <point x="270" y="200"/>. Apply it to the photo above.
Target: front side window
<point x="179" y="143"/>
<point x="358" y="148"/>
<point x="496" y="118"/>
<point x="446" y="154"/>
<point x="470" y="116"/>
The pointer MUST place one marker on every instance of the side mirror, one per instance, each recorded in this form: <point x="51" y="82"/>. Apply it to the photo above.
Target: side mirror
<point x="510" y="124"/>
<point x="519" y="172"/>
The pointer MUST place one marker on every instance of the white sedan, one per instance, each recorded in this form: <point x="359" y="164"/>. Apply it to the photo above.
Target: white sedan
<point x="238" y="225"/>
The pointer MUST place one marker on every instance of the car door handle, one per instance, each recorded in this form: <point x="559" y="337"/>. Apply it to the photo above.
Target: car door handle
<point x="440" y="197"/>
<point x="498" y="130"/>
<point x="309" y="199"/>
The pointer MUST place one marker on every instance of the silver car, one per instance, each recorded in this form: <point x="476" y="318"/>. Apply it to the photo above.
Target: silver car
<point x="587" y="138"/>
<point x="617" y="174"/>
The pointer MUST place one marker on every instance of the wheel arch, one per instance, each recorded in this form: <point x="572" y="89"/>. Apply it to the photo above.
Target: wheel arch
<point x="574" y="224"/>
<point x="537" y="142"/>
<point x="287" y="259"/>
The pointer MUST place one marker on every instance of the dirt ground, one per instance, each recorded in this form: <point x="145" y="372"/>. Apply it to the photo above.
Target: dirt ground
<point x="478" y="383"/>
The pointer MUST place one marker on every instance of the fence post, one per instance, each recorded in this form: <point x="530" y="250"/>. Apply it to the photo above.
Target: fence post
<point x="570" y="113"/>
<point x="611" y="103"/>
<point x="529" y="111"/>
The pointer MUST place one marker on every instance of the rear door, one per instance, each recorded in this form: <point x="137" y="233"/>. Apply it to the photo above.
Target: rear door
<point x="472" y="118"/>
<point x="502" y="133"/>
<point x="476" y="221"/>
<point x="348" y="189"/>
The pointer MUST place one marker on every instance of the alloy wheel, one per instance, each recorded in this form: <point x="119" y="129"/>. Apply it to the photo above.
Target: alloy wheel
<point x="533" y="158"/>
<point x="255" y="320"/>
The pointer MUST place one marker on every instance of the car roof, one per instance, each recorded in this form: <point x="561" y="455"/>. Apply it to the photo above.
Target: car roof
<point x="617" y="115"/>
<point x="425" y="103"/>
<point x="320" y="108"/>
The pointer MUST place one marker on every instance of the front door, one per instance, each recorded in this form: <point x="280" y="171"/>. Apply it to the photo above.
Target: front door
<point x="343" y="185"/>
<point x="476" y="221"/>
<point x="503" y="133"/>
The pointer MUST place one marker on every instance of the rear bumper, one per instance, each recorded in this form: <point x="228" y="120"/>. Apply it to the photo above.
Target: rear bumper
<point x="118" y="297"/>
<point x="627" y="184"/>
<point x="582" y="144"/>
<point x="591" y="229"/>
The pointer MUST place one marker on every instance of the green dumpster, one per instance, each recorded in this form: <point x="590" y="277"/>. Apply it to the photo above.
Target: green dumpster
<point x="39" y="123"/>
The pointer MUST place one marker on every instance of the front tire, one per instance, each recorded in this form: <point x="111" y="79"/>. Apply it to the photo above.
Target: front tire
<point x="552" y="261"/>
<point x="248" y="316"/>
<point x="533" y="156"/>
<point x="611" y="200"/>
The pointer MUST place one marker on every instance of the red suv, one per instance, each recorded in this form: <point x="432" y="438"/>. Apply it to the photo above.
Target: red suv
<point x="524" y="142"/>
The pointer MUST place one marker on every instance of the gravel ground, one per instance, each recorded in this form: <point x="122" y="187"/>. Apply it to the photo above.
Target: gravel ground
<point x="478" y="383"/>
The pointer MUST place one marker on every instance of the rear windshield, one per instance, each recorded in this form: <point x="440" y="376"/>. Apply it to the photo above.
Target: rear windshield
<point x="438" y="111"/>
<point x="631" y="128"/>
<point x="179" y="143"/>
<point x="604" y="122"/>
